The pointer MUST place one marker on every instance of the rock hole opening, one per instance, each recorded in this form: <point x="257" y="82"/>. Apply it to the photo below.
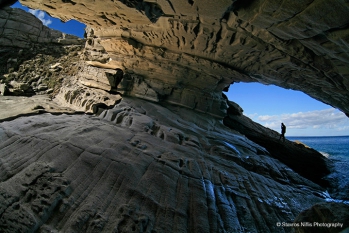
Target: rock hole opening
<point x="71" y="26"/>
<point x="270" y="105"/>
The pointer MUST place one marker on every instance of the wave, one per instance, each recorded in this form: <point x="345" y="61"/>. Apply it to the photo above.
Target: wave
<point x="328" y="198"/>
<point x="327" y="155"/>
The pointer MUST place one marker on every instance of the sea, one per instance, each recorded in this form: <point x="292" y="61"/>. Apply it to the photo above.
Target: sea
<point x="336" y="149"/>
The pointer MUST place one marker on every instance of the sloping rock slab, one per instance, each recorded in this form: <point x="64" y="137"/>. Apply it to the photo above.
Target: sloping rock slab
<point x="140" y="167"/>
<point x="306" y="161"/>
<point x="15" y="106"/>
<point x="324" y="218"/>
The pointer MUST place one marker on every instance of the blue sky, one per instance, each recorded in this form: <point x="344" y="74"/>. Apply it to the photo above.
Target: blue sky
<point x="304" y="116"/>
<point x="267" y="105"/>
<point x="72" y="27"/>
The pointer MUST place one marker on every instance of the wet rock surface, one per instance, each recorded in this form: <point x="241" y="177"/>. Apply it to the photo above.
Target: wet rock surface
<point x="142" y="167"/>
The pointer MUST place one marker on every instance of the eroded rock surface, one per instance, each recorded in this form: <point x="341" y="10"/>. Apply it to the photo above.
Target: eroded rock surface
<point x="188" y="51"/>
<point x="140" y="167"/>
<point x="145" y="167"/>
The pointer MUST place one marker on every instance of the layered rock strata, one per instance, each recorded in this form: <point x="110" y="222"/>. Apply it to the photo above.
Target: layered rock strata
<point x="34" y="58"/>
<point x="39" y="60"/>
<point x="141" y="167"/>
<point x="13" y="107"/>
<point x="22" y="30"/>
<point x="189" y="51"/>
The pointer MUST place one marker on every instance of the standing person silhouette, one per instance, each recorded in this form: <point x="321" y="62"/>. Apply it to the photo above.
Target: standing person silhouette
<point x="283" y="131"/>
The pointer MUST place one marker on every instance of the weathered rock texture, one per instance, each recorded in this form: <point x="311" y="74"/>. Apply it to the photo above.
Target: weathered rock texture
<point x="141" y="167"/>
<point x="188" y="51"/>
<point x="145" y="167"/>
<point x="13" y="107"/>
<point x="324" y="213"/>
<point x="38" y="60"/>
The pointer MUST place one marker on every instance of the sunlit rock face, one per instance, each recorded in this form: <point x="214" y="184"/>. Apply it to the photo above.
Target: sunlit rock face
<point x="187" y="51"/>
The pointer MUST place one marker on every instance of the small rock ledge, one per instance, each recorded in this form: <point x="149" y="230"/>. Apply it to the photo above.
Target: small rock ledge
<point x="305" y="161"/>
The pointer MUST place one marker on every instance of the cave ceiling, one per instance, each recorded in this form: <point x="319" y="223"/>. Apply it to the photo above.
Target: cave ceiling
<point x="207" y="45"/>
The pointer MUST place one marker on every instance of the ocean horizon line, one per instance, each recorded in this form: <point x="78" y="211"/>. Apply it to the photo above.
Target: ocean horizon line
<point x="317" y="136"/>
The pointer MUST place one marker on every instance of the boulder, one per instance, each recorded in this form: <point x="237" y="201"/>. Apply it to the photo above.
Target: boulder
<point x="19" y="86"/>
<point x="42" y="87"/>
<point x="3" y="89"/>
<point x="56" y="67"/>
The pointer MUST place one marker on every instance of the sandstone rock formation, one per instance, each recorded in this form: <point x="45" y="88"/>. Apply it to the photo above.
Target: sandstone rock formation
<point x="188" y="51"/>
<point x="151" y="165"/>
<point x="142" y="167"/>
<point x="13" y="107"/>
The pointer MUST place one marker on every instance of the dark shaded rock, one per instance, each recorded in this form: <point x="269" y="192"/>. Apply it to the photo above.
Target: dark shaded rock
<point x="5" y="3"/>
<point x="234" y="109"/>
<point x="324" y="218"/>
<point x="305" y="161"/>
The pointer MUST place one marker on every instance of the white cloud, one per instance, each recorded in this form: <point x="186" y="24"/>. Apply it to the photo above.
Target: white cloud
<point x="252" y="115"/>
<point x="313" y="120"/>
<point x="40" y="15"/>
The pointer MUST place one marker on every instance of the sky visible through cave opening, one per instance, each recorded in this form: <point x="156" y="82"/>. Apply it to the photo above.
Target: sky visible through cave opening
<point x="72" y="27"/>
<point x="267" y="105"/>
<point x="304" y="116"/>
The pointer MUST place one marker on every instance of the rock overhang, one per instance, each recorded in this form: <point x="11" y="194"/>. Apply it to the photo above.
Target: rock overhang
<point x="187" y="52"/>
<point x="195" y="155"/>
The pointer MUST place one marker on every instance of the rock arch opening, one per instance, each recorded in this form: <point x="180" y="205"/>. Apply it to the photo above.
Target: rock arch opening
<point x="70" y="26"/>
<point x="270" y="105"/>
